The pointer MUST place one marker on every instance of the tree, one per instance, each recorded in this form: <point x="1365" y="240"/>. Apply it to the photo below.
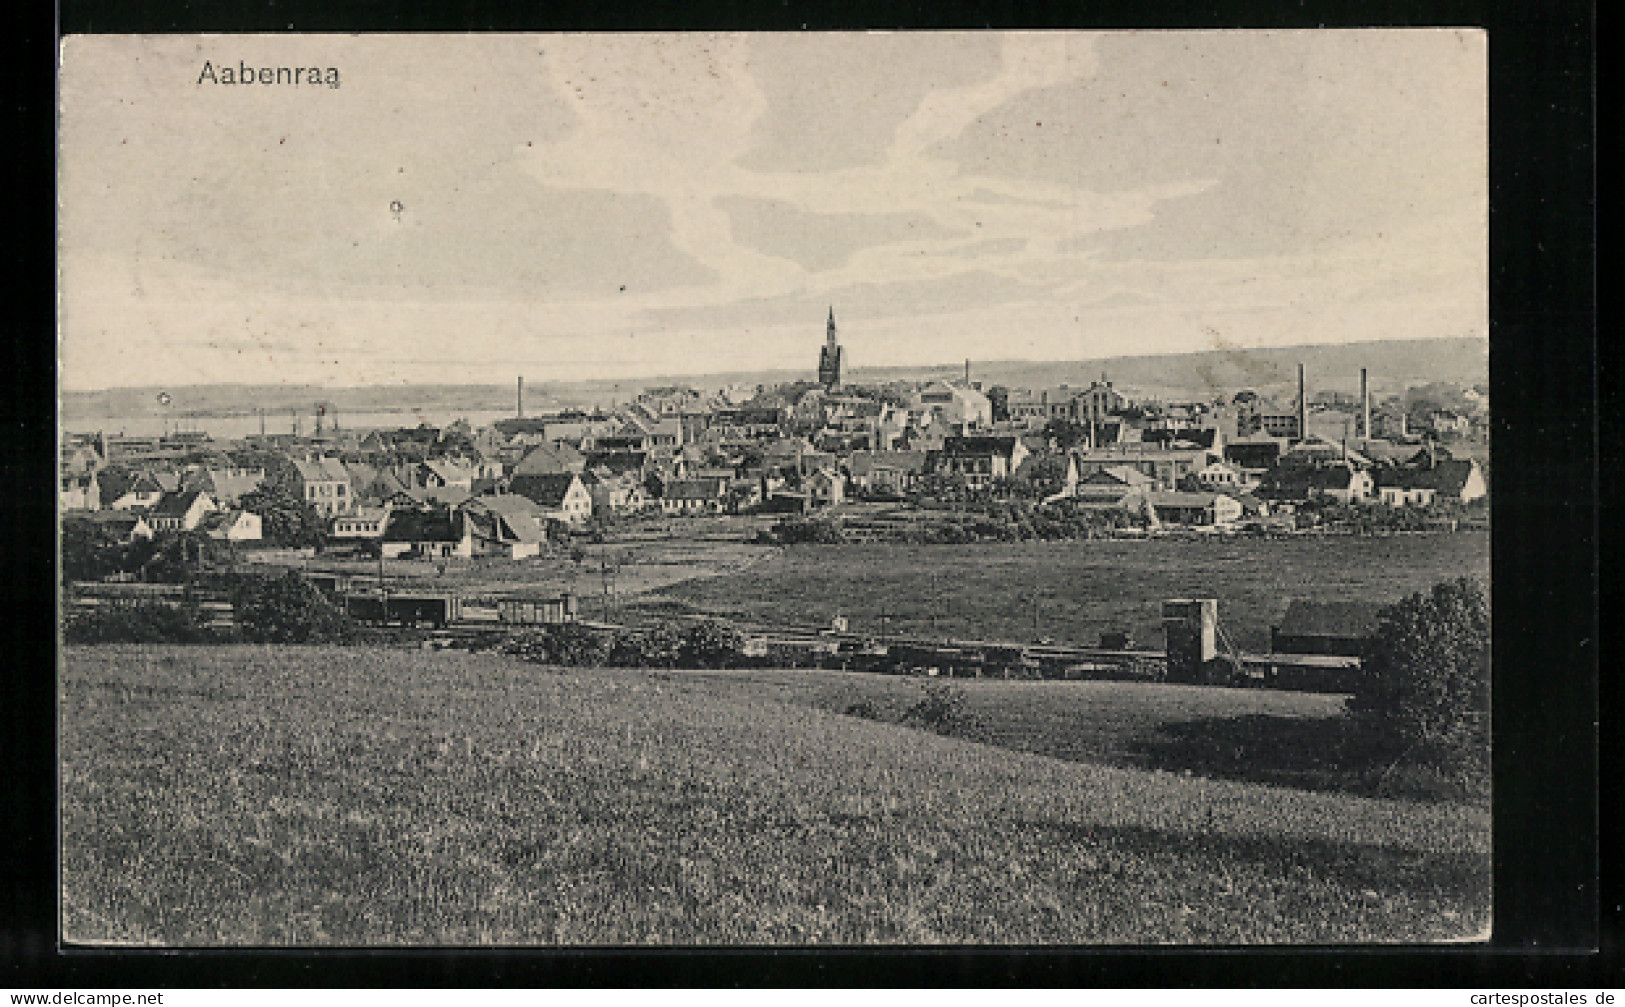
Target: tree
<point x="179" y="557"/>
<point x="89" y="551"/>
<point x="573" y="645"/>
<point x="1065" y="433"/>
<point x="1426" y="672"/>
<point x="710" y="644"/>
<point x="285" y="520"/>
<point x="287" y="609"/>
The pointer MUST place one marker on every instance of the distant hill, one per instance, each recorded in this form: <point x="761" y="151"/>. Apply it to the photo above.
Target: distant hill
<point x="1392" y="365"/>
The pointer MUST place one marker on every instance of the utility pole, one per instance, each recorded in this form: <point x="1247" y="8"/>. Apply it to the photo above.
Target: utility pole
<point x="383" y="593"/>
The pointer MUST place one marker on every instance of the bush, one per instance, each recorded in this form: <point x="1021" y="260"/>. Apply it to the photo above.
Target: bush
<point x="710" y="645"/>
<point x="1425" y="680"/>
<point x="147" y="623"/>
<point x="575" y="646"/>
<point x="941" y="710"/>
<point x="288" y="609"/>
<point x="658" y="647"/>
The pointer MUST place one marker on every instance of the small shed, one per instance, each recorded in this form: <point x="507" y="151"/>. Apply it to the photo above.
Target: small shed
<point x="1333" y="628"/>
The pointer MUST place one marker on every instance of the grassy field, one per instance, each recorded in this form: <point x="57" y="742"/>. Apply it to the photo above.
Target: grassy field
<point x="252" y="795"/>
<point x="1082" y="588"/>
<point x="653" y="559"/>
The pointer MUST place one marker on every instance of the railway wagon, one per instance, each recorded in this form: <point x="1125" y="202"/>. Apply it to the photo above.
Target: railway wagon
<point x="437" y="610"/>
<point x="1001" y="661"/>
<point x="926" y="659"/>
<point x="538" y="611"/>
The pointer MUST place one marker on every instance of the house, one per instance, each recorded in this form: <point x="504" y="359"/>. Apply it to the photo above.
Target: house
<point x="181" y="510"/>
<point x="226" y="484"/>
<point x="443" y="473"/>
<point x="1110" y="486"/>
<point x="144" y="490"/>
<point x="1256" y="454"/>
<point x="560" y="495"/>
<point x="634" y="463"/>
<point x="384" y="485"/>
<point x="122" y="525"/>
<point x="980" y="459"/>
<point x="1195" y="509"/>
<point x="886" y="471"/>
<point x="1165" y="466"/>
<point x="1341" y="482"/>
<point x="79" y="491"/>
<point x="79" y="456"/>
<point x="324" y="484"/>
<point x="549" y="460"/>
<point x="1257" y="415"/>
<point x="694" y="496"/>
<point x="1332" y="628"/>
<point x="428" y="534"/>
<point x="614" y="493"/>
<point x="1459" y="480"/>
<point x="824" y="488"/>
<point x="956" y="405"/>
<point x="506" y="525"/>
<point x="1399" y="486"/>
<point x="233" y="525"/>
<point x="1317" y="451"/>
<point x="1224" y="477"/>
<point x="361" y="523"/>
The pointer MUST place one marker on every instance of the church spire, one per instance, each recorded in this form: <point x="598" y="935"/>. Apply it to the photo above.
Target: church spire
<point x="829" y="357"/>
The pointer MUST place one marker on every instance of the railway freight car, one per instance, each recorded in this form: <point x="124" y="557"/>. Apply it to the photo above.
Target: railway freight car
<point x="438" y="610"/>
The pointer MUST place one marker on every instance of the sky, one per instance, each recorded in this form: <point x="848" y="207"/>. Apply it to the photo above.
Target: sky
<point x="472" y="208"/>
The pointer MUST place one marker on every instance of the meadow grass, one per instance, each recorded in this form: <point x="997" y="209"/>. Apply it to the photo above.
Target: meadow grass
<point x="1083" y="588"/>
<point x="350" y="796"/>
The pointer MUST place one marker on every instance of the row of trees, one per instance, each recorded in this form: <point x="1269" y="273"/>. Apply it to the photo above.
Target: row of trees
<point x="285" y="609"/>
<point x="1011" y="520"/>
<point x="708" y="644"/>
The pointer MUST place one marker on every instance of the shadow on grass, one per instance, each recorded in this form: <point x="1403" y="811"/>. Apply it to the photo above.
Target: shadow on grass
<point x="1361" y="866"/>
<point x="1337" y="755"/>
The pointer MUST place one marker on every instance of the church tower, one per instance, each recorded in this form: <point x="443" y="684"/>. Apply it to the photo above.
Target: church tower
<point x="829" y="357"/>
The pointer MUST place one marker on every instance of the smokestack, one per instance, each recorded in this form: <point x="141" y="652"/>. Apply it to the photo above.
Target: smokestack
<point x="519" y="400"/>
<point x="1303" y="407"/>
<point x="1365" y="407"/>
<point x="967" y="372"/>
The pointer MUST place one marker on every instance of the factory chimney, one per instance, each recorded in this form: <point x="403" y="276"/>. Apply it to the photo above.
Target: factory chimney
<point x="967" y="372"/>
<point x="1365" y="407"/>
<point x="519" y="398"/>
<point x="1303" y="407"/>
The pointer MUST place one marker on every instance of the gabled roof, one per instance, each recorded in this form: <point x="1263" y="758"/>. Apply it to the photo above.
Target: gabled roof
<point x="177" y="504"/>
<point x="619" y="462"/>
<point x="1179" y="499"/>
<point x="423" y="526"/>
<point x="222" y="518"/>
<point x="1341" y="619"/>
<point x="550" y="459"/>
<point x="321" y="470"/>
<point x="696" y="489"/>
<point x="1404" y="477"/>
<point x="449" y="471"/>
<point x="979" y="446"/>
<point x="865" y="462"/>
<point x="520" y="517"/>
<point x="548" y="490"/>
<point x="233" y="483"/>
<point x="1116" y="475"/>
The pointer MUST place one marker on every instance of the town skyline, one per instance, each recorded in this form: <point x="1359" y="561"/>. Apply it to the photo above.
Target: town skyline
<point x="462" y="210"/>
